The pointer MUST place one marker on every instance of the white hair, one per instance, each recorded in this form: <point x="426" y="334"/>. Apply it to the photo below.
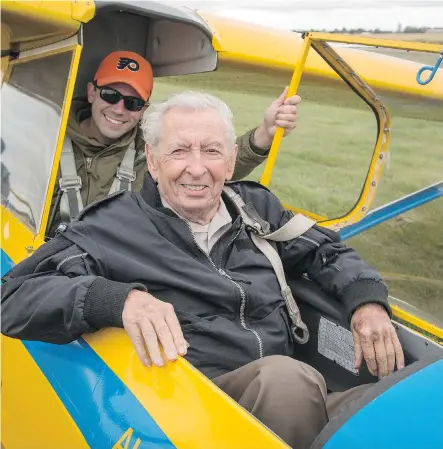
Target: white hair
<point x="152" y="121"/>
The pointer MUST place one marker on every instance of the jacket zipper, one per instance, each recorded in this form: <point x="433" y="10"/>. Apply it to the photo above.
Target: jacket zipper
<point x="239" y="287"/>
<point x="88" y="164"/>
<point x="75" y="256"/>
<point x="242" y="315"/>
<point x="87" y="161"/>
<point x="302" y="237"/>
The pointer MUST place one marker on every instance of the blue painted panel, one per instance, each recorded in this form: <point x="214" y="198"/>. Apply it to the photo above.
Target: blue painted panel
<point x="392" y="210"/>
<point x="99" y="402"/>
<point x="409" y="415"/>
<point x="6" y="263"/>
<point x="101" y="405"/>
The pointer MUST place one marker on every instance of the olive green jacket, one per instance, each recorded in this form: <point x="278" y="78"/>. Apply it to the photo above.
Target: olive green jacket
<point x="97" y="163"/>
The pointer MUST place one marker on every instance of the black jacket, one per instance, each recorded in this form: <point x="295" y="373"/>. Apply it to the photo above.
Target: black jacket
<point x="229" y="305"/>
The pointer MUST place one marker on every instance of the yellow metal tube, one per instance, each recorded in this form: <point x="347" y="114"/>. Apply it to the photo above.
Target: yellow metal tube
<point x="376" y="42"/>
<point x="362" y="89"/>
<point x="276" y="142"/>
<point x="77" y="49"/>
<point x="417" y="322"/>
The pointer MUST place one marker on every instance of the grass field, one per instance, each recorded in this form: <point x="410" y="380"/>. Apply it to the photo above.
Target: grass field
<point x="425" y="58"/>
<point x="323" y="164"/>
<point x="432" y="38"/>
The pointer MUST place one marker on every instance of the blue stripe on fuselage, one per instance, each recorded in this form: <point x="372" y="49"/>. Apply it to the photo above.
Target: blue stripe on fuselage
<point x="101" y="405"/>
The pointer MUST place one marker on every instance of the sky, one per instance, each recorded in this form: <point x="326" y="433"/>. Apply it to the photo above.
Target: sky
<point x="326" y="14"/>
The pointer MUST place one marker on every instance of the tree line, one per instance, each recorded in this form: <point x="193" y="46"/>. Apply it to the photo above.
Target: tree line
<point x="344" y="30"/>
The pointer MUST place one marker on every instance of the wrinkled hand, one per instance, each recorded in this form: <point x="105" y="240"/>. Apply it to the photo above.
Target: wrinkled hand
<point x="375" y="339"/>
<point x="282" y="112"/>
<point x="150" y="323"/>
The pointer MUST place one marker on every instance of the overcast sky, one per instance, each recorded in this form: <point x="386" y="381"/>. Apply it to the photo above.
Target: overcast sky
<point x="328" y="14"/>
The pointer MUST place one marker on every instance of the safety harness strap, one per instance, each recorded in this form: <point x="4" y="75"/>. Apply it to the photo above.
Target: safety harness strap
<point x="71" y="202"/>
<point x="125" y="173"/>
<point x="70" y="184"/>
<point x="294" y="228"/>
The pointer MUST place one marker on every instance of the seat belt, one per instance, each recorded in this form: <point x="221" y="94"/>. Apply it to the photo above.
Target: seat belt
<point x="125" y="173"/>
<point x="294" y="228"/>
<point x="70" y="184"/>
<point x="71" y="202"/>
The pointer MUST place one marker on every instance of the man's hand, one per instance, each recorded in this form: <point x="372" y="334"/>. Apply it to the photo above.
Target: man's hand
<point x="375" y="339"/>
<point x="282" y="112"/>
<point x="150" y="323"/>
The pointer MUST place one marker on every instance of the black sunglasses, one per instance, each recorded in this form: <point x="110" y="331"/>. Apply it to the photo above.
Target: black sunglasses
<point x="113" y="96"/>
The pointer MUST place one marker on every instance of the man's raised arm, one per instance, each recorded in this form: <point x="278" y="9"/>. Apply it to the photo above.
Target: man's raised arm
<point x="253" y="146"/>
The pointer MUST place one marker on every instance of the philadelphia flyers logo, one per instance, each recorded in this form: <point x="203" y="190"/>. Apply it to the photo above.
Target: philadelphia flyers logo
<point x="128" y="63"/>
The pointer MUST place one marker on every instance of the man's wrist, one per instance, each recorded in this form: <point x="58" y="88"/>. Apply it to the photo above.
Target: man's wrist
<point x="104" y="302"/>
<point x="261" y="140"/>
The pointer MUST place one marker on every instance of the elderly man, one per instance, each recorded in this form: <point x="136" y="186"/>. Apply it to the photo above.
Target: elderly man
<point x="104" y="149"/>
<point x="176" y="267"/>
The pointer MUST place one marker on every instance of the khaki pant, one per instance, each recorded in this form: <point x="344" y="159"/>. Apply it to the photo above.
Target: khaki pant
<point x="287" y="396"/>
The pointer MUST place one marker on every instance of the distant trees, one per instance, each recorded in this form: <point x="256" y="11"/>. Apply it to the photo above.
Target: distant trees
<point x="344" y="30"/>
<point x="415" y="30"/>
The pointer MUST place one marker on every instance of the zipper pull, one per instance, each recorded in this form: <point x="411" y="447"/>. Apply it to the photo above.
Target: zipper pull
<point x="88" y="164"/>
<point x="224" y="274"/>
<point x="323" y="259"/>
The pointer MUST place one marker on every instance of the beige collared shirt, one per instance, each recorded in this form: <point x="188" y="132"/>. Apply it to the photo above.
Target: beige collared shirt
<point x="207" y="235"/>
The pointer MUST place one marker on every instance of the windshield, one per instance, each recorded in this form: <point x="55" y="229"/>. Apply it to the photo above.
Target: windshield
<point x="32" y="100"/>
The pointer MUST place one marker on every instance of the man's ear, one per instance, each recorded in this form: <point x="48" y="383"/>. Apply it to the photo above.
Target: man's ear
<point x="91" y="92"/>
<point x="152" y="162"/>
<point x="231" y="166"/>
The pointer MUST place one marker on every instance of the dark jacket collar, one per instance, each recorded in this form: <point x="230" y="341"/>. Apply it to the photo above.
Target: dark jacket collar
<point x="149" y="192"/>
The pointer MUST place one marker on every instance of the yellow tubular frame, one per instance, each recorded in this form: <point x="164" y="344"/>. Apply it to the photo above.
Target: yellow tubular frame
<point x="376" y="42"/>
<point x="76" y="49"/>
<point x="318" y="42"/>
<point x="383" y="136"/>
<point x="418" y="322"/>
<point x="292" y="90"/>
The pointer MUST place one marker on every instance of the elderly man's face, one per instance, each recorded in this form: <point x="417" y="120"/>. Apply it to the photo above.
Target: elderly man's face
<point x="192" y="163"/>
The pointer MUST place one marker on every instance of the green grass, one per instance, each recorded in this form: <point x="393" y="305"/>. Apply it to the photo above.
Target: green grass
<point x="323" y="164"/>
<point x="432" y="38"/>
<point x="422" y="58"/>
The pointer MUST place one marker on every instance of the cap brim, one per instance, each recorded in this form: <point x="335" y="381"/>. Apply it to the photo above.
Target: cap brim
<point x="104" y="81"/>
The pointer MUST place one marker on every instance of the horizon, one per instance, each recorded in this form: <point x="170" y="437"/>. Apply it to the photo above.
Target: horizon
<point x="304" y="15"/>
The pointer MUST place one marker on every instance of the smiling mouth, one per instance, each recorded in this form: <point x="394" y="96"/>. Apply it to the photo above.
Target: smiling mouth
<point x="194" y="187"/>
<point x="113" y="120"/>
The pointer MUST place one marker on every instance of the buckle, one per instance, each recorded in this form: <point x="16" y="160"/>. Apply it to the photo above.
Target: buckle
<point x="70" y="182"/>
<point x="262" y="226"/>
<point x="304" y="337"/>
<point x="125" y="175"/>
<point x="255" y="228"/>
<point x="61" y="228"/>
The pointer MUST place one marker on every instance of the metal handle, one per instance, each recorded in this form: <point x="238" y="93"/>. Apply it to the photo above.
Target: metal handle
<point x="432" y="69"/>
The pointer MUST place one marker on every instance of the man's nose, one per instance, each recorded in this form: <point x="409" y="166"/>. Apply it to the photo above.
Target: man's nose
<point x="119" y="108"/>
<point x="196" y="166"/>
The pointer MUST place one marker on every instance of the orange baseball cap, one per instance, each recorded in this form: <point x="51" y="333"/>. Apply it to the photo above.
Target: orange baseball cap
<point x="129" y="68"/>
